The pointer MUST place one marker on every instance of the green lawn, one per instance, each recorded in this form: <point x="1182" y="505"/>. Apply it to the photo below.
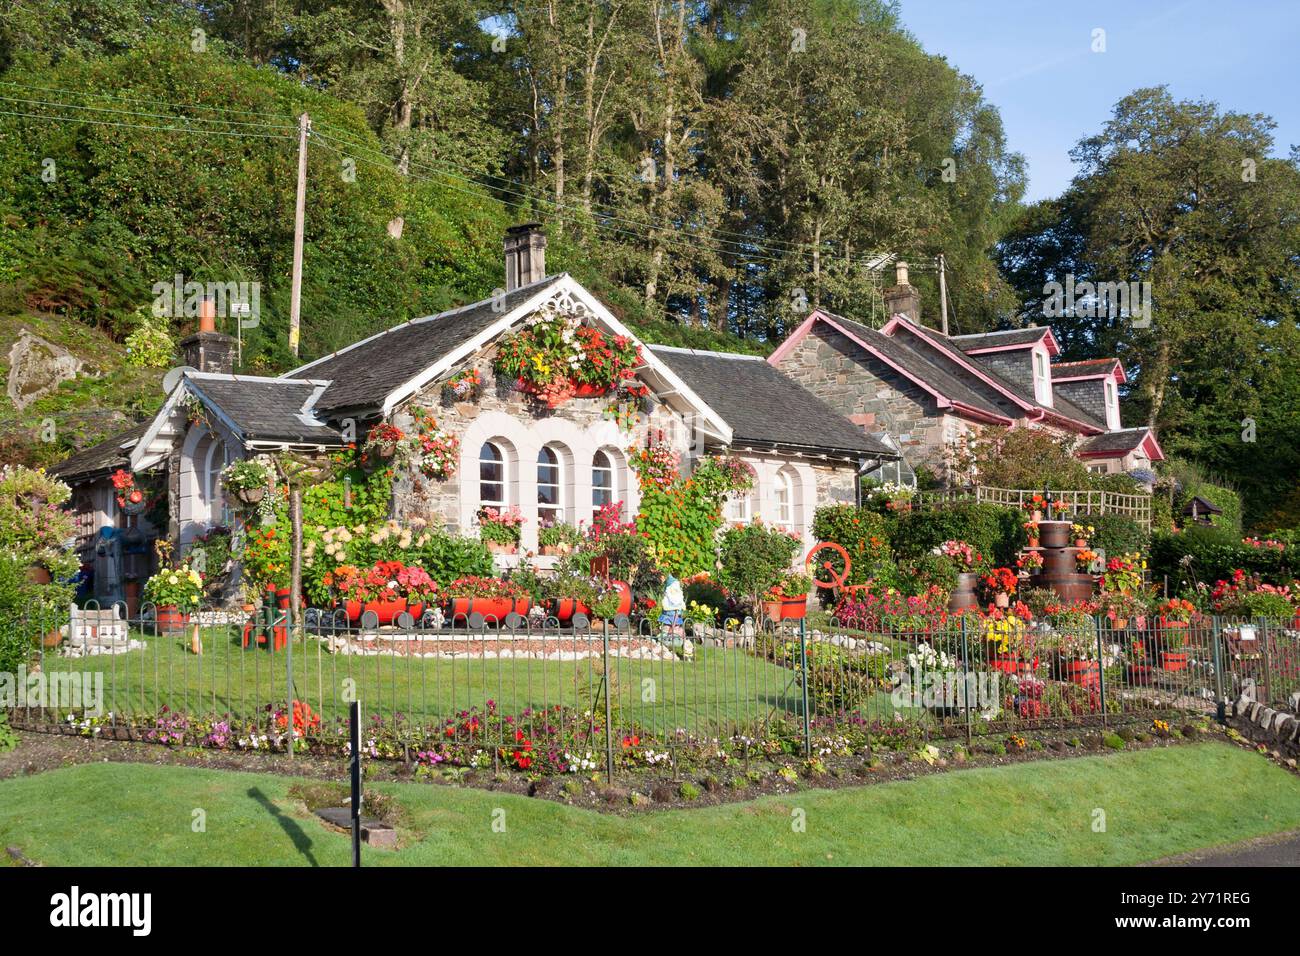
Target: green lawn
<point x="1156" y="803"/>
<point x="719" y="692"/>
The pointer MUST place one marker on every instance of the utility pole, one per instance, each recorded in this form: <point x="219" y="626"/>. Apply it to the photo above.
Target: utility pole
<point x="299" y="214"/>
<point x="943" y="298"/>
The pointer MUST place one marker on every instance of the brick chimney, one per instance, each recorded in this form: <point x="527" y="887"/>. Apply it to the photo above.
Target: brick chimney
<point x="525" y="255"/>
<point x="902" y="298"/>
<point x="207" y="349"/>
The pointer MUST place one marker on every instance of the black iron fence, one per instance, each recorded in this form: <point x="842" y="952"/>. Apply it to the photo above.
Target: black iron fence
<point x="537" y="695"/>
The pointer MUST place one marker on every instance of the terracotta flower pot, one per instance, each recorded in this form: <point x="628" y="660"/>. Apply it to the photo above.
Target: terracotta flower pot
<point x="1033" y="542"/>
<point x="171" y="619"/>
<point x="1173" y="660"/>
<point x="498" y="547"/>
<point x="772" y="610"/>
<point x="1080" y="542"/>
<point x="1083" y="673"/>
<point x="38" y="574"/>
<point x="1002" y="599"/>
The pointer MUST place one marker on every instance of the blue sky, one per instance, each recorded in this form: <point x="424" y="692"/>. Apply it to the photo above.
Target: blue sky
<point x="1035" y="63"/>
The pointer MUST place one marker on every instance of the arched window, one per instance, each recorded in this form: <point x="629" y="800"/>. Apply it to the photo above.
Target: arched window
<point x="491" y="476"/>
<point x="550" y="504"/>
<point x="785" y="499"/>
<point x="603" y="488"/>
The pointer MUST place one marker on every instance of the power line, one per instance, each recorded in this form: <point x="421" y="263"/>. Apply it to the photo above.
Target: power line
<point x="166" y="116"/>
<point x="149" y="102"/>
<point x="159" y="129"/>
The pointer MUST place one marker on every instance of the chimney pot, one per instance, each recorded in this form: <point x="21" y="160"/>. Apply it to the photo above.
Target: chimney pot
<point x="902" y="298"/>
<point x="207" y="315"/>
<point x="525" y="248"/>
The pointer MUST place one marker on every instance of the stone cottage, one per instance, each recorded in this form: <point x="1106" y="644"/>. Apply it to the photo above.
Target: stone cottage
<point x="925" y="393"/>
<point x="553" y="463"/>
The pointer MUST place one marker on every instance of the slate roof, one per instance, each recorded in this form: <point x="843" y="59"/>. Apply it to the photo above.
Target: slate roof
<point x="1084" y="366"/>
<point x="1114" y="443"/>
<point x="267" y="409"/>
<point x="105" y="457"/>
<point x="364" y="374"/>
<point x="901" y="354"/>
<point x="1059" y="406"/>
<point x="989" y="340"/>
<point x="766" y="407"/>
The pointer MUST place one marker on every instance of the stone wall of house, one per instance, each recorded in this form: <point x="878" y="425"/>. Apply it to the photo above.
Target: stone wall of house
<point x="871" y="394"/>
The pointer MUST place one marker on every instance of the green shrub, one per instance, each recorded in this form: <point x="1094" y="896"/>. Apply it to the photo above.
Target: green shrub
<point x="1113" y="742"/>
<point x="8" y="738"/>
<point x="1207" y="554"/>
<point x="753" y="559"/>
<point x="689" y="791"/>
<point x="1224" y="498"/>
<point x="992" y="530"/>
<point x="1117" y="534"/>
<point x="865" y="535"/>
<point x="917" y="574"/>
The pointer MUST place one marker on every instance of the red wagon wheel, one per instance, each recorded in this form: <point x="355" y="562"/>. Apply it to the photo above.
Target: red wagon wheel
<point x="831" y="571"/>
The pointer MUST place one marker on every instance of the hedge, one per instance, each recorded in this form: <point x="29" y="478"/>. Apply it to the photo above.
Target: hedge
<point x="1117" y="534"/>
<point x="991" y="529"/>
<point x="1227" y="500"/>
<point x="1215" y="553"/>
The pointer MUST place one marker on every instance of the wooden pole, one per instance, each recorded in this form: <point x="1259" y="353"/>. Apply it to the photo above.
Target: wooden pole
<point x="299" y="215"/>
<point x="943" y="297"/>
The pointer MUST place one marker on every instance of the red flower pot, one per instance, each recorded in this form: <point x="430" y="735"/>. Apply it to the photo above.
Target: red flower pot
<point x="590" y="391"/>
<point x="565" y="608"/>
<point x="387" y="611"/>
<point x="1009" y="664"/>
<point x="170" y="619"/>
<point x="1173" y="660"/>
<point x="794" y="609"/>
<point x="1083" y="673"/>
<point x="494" y="610"/>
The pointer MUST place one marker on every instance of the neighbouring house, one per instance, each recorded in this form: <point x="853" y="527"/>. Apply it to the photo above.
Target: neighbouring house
<point x="926" y="394"/>
<point x="557" y="463"/>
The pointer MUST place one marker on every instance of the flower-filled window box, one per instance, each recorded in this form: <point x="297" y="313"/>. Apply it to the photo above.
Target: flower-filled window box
<point x="501" y="528"/>
<point x="555" y="358"/>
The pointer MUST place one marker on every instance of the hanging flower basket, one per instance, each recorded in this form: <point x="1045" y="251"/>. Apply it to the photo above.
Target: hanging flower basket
<point x="250" y="496"/>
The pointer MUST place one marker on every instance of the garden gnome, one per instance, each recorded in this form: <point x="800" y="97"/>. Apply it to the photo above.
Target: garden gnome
<point x="672" y="604"/>
<point x="108" y="567"/>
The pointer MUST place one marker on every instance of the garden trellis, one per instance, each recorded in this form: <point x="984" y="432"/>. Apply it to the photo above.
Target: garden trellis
<point x="1136" y="507"/>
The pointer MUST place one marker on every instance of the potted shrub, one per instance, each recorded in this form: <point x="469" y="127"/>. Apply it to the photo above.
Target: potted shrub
<point x="1001" y="583"/>
<point x="1031" y="562"/>
<point x="1075" y="635"/>
<point x="248" y="479"/>
<point x="501" y="528"/>
<point x="1010" y="649"/>
<point x="787" y="600"/>
<point x="1082" y="532"/>
<point x="1036" y="505"/>
<point x="613" y="598"/>
<point x="555" y="538"/>
<point x="968" y="564"/>
<point x="175" y="592"/>
<point x="754" y="559"/>
<point x="1173" y="650"/>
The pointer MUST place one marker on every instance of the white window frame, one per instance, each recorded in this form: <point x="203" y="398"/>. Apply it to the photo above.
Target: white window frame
<point x="504" y="482"/>
<point x="554" y="512"/>
<point x="785" y="516"/>
<point x="610" y="468"/>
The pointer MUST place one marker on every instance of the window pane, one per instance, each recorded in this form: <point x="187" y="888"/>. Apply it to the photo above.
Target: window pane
<point x="492" y="475"/>
<point x="602" y="480"/>
<point x="548" y="485"/>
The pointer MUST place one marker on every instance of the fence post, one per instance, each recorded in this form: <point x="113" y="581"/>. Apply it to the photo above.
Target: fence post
<point x="1101" y="671"/>
<point x="965" y="660"/>
<point x="355" y="739"/>
<point x="803" y="667"/>
<point x="1216" y="632"/>
<point x="609" y="708"/>
<point x="1268" y="661"/>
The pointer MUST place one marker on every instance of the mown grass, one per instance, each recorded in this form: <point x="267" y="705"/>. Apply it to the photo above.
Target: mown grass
<point x="1155" y="803"/>
<point x="718" y="692"/>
